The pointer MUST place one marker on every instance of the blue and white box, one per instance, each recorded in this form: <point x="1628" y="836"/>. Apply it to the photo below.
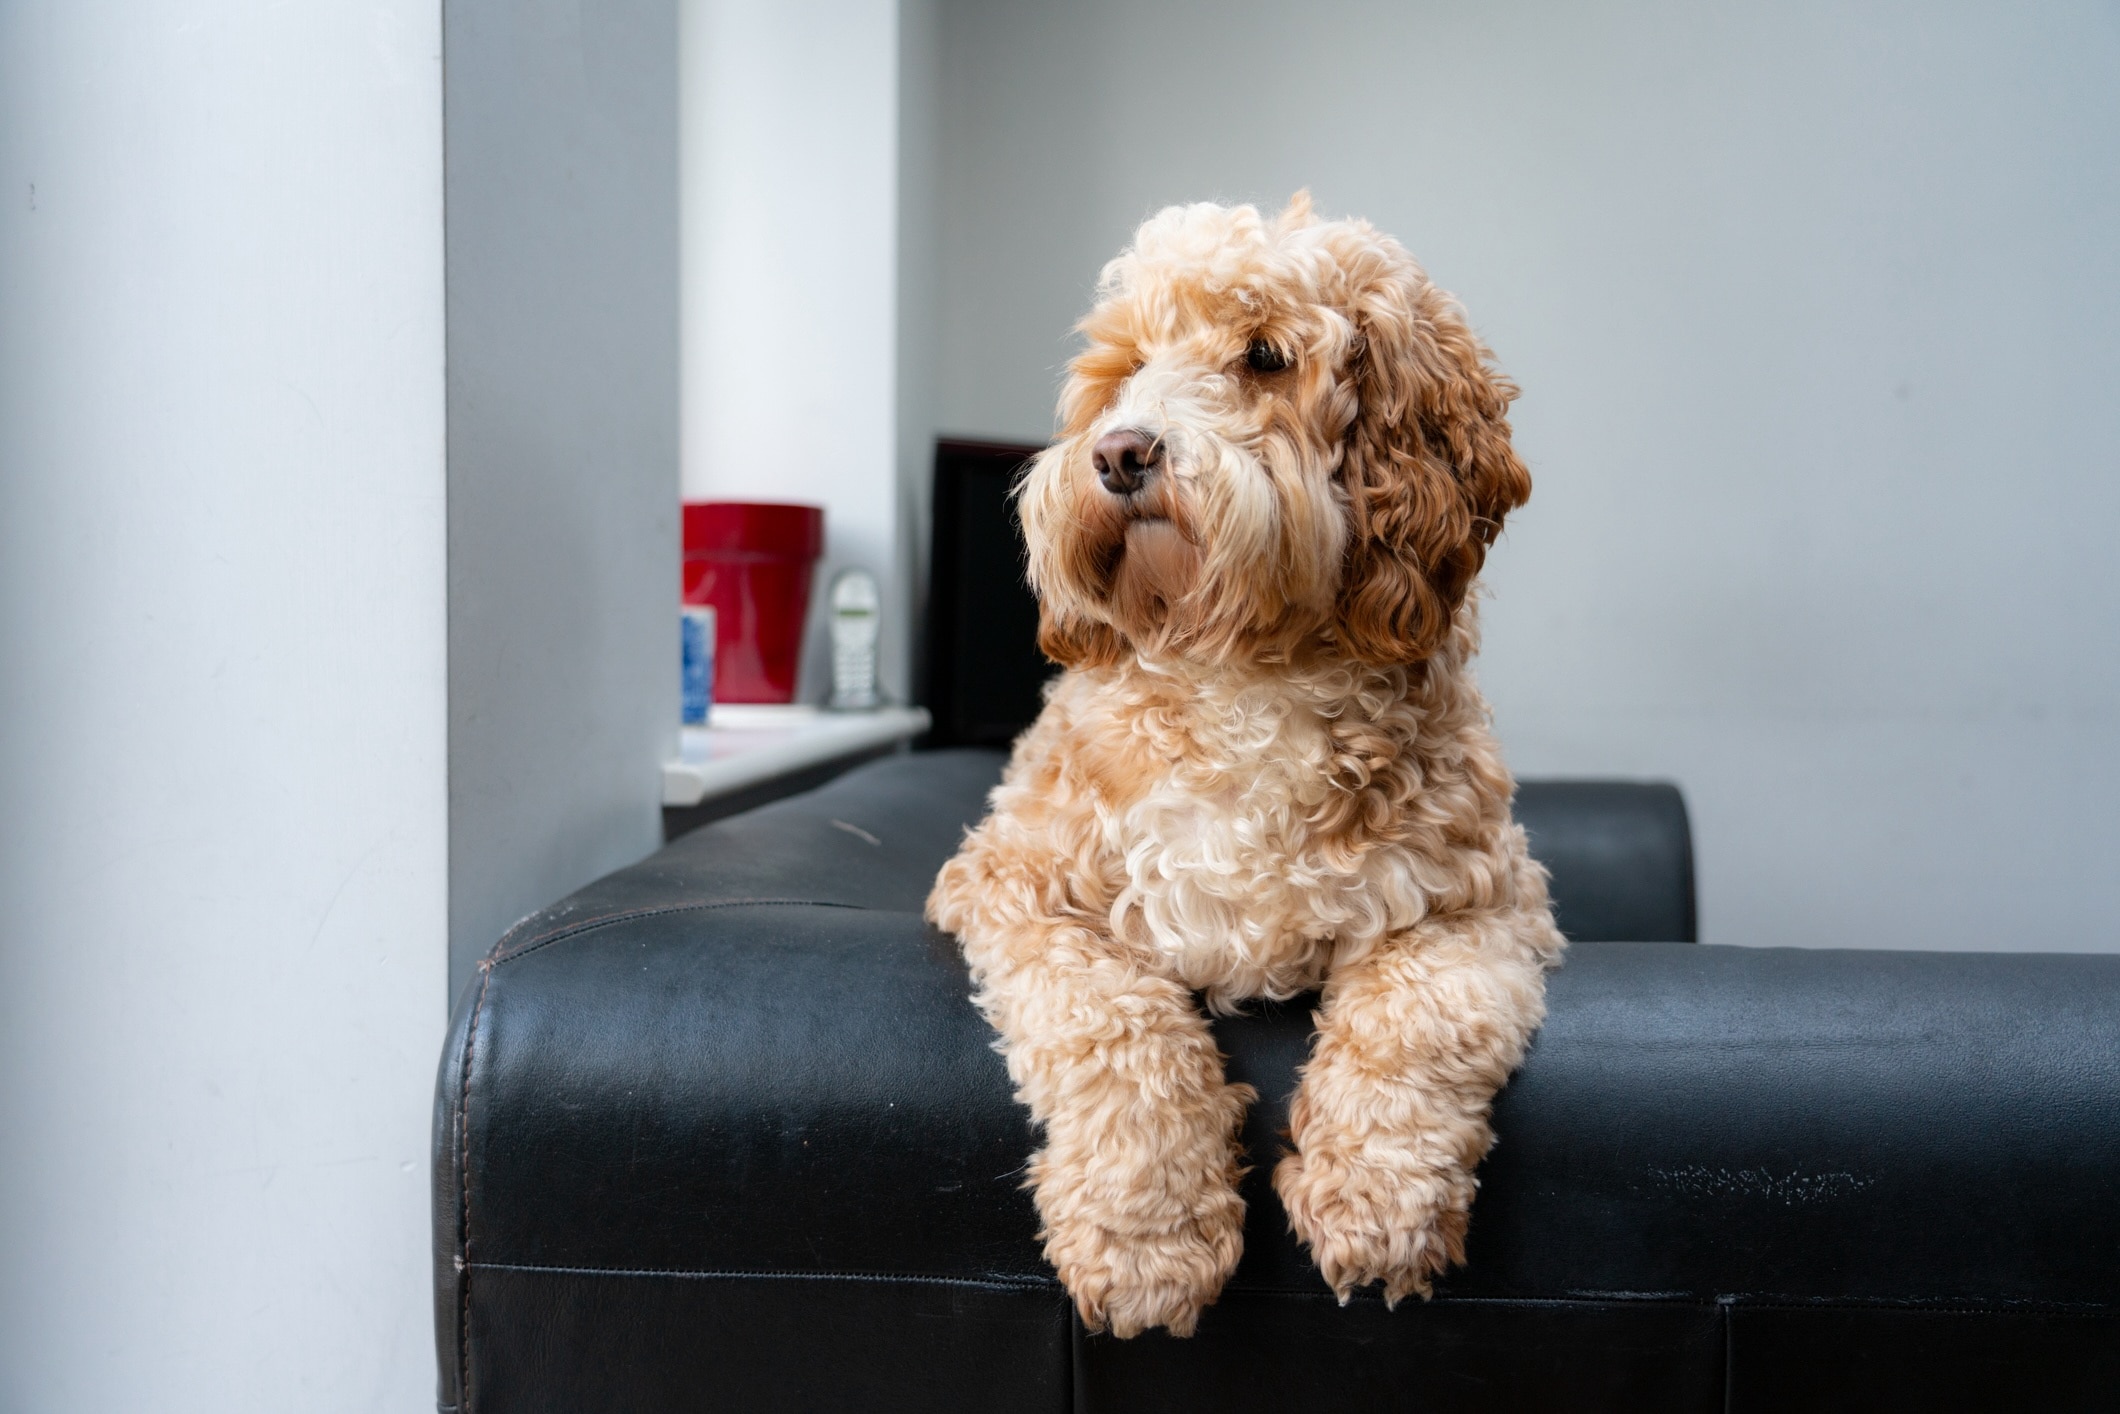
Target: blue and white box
<point x="698" y="630"/>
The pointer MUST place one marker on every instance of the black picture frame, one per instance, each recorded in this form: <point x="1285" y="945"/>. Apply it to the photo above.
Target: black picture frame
<point x="985" y="676"/>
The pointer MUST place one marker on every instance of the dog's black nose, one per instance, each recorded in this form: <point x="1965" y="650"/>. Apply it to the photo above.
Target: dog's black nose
<point x="1124" y="459"/>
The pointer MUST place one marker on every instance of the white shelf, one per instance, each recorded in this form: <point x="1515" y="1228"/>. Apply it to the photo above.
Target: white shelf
<point x="742" y="745"/>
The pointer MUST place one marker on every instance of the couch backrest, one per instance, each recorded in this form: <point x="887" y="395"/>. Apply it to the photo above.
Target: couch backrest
<point x="1621" y="858"/>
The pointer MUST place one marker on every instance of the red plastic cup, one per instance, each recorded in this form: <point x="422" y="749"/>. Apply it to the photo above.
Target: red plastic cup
<point x="753" y="562"/>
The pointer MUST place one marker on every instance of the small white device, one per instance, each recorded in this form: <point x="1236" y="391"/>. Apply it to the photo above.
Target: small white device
<point x="854" y="602"/>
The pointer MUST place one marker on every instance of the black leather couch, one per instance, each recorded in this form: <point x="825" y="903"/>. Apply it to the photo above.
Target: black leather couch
<point x="721" y="1132"/>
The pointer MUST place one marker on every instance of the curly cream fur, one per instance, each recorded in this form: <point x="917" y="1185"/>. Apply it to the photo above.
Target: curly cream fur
<point x="1267" y="770"/>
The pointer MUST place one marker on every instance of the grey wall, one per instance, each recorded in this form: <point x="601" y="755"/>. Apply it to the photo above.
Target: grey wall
<point x="563" y="529"/>
<point x="919" y="306"/>
<point x="1818" y="321"/>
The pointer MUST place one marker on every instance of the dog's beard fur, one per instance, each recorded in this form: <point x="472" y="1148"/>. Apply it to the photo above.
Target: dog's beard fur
<point x="1143" y="554"/>
<point x="1157" y="568"/>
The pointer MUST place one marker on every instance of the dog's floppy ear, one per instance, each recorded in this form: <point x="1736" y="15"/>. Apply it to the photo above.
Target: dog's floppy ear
<point x="1428" y="466"/>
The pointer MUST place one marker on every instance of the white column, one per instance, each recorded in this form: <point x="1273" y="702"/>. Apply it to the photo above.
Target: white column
<point x="223" y="804"/>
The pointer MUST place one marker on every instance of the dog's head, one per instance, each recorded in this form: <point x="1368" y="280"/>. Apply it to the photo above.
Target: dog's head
<point x="1280" y="435"/>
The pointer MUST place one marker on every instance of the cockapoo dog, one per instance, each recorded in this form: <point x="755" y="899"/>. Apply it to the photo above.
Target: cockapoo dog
<point x="1266" y="769"/>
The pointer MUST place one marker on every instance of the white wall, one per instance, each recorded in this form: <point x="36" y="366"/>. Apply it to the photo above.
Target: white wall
<point x="563" y="519"/>
<point x="222" y="809"/>
<point x="1818" y="321"/>
<point x="791" y="222"/>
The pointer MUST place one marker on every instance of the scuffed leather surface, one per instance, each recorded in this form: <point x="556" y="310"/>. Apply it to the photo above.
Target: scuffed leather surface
<point x="735" y="1138"/>
<point x="1620" y="853"/>
<point x="1780" y="1123"/>
<point x="874" y="838"/>
<point x="746" y="1087"/>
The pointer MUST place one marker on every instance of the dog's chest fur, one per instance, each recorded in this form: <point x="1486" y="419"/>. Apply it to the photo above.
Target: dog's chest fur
<point x="1247" y="864"/>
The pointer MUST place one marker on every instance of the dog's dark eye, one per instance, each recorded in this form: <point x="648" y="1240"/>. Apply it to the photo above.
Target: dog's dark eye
<point x="1263" y="357"/>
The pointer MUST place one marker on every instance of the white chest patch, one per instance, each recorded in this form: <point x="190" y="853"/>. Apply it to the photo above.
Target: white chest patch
<point x="1228" y="878"/>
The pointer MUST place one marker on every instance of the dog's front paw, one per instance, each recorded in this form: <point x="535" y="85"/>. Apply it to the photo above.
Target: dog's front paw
<point x="1132" y="1281"/>
<point x="1375" y="1217"/>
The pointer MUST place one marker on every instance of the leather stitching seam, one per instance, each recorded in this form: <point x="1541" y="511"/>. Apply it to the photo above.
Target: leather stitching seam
<point x="998" y="1280"/>
<point x="588" y="924"/>
<point x="1736" y="1303"/>
<point x="463" y="1211"/>
<point x="1320" y="1292"/>
<point x="1935" y="1307"/>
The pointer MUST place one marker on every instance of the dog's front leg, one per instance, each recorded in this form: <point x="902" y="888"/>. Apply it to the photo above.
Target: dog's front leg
<point x="1390" y="1118"/>
<point x="1136" y="1184"/>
